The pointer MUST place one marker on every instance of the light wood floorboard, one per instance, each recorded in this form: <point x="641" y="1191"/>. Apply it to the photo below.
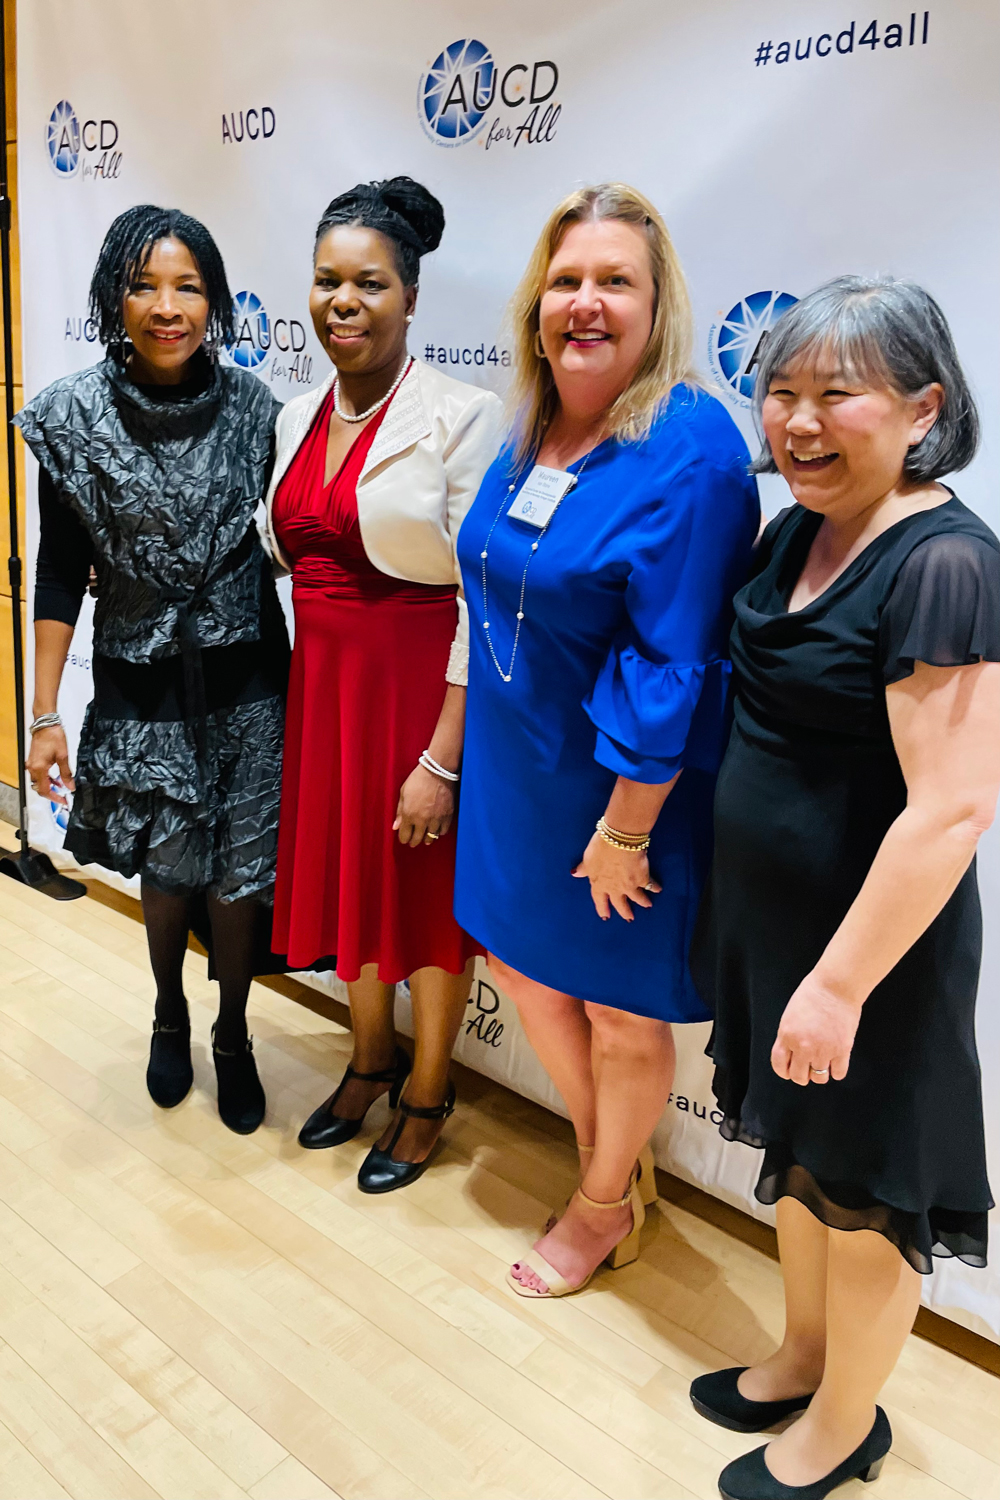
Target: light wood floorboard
<point x="186" y="1313"/>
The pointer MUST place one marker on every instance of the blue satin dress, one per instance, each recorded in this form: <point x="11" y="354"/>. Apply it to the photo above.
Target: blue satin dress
<point x="621" y="669"/>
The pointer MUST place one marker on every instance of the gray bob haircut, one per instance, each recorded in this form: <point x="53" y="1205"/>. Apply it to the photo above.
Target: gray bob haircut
<point x="888" y="334"/>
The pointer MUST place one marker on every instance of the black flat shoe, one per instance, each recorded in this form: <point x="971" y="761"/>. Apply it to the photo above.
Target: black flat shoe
<point x="169" y="1075"/>
<point x="241" y="1097"/>
<point x="749" y="1478"/>
<point x="324" y="1128"/>
<point x="717" y="1397"/>
<point x="378" y="1172"/>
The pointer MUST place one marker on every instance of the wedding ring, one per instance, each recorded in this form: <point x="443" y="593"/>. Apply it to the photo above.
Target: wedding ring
<point x="819" y="1072"/>
<point x="432" y="835"/>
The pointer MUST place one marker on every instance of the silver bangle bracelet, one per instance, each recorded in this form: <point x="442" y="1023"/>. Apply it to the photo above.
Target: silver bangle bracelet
<point x="45" y="721"/>
<point x="430" y="764"/>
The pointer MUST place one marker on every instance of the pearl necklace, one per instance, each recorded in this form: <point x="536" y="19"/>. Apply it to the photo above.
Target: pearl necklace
<point x="363" y="416"/>
<point x="506" y="676"/>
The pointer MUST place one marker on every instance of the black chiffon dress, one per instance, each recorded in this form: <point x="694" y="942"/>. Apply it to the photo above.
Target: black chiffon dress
<point x="808" y="789"/>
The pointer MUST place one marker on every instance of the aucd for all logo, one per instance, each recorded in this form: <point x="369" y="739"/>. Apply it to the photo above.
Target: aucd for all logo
<point x="736" y="342"/>
<point x="89" y="150"/>
<point x="252" y="342"/>
<point x="456" y="91"/>
<point x="62" y="139"/>
<point x="465" y="81"/>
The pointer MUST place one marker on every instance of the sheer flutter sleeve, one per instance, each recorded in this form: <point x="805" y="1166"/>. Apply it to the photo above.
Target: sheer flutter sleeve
<point x="944" y="608"/>
<point x="660" y="701"/>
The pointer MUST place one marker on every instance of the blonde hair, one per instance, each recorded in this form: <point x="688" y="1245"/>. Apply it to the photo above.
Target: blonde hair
<point x="668" y="354"/>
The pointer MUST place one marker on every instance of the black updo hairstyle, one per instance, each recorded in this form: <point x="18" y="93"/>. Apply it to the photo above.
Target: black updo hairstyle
<point x="401" y="209"/>
<point x="124" y="257"/>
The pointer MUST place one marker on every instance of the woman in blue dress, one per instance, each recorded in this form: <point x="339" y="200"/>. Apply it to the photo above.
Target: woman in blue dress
<point x="600" y="560"/>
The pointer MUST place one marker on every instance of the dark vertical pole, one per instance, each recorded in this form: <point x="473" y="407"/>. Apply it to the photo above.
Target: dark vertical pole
<point x="14" y="561"/>
<point x="36" y="870"/>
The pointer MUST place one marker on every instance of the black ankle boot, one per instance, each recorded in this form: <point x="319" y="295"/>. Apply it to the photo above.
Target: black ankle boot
<point x="325" y="1128"/>
<point x="241" y="1097"/>
<point x="169" y="1075"/>
<point x="378" y="1172"/>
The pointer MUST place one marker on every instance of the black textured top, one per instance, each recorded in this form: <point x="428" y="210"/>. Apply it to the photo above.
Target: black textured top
<point x="166" y="490"/>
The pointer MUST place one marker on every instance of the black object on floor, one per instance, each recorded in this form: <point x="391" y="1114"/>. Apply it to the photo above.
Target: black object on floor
<point x="37" y="871"/>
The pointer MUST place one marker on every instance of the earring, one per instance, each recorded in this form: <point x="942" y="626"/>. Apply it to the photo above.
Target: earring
<point x="538" y="344"/>
<point x="408" y="318"/>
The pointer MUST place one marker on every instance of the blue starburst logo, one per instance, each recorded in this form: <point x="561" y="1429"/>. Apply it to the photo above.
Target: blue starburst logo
<point x="252" y="342"/>
<point x="456" y="91"/>
<point x="736" y="343"/>
<point x="62" y="139"/>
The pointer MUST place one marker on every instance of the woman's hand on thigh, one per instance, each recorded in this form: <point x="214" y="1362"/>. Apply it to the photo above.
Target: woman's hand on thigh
<point x="617" y="878"/>
<point x="815" y="1035"/>
<point x="425" y="810"/>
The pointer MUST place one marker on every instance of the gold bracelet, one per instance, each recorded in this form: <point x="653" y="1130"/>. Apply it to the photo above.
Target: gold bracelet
<point x="632" y="843"/>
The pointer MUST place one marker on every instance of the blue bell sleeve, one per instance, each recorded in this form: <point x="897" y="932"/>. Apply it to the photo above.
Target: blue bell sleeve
<point x="660" y="702"/>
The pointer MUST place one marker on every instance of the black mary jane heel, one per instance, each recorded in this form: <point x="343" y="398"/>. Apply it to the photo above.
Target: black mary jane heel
<point x="378" y="1172"/>
<point x="169" y="1075"/>
<point x="718" y="1397"/>
<point x="749" y="1478"/>
<point x="324" y="1128"/>
<point x="242" y="1104"/>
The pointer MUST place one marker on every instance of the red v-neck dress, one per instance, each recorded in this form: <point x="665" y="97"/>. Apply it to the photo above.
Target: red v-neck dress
<point x="367" y="685"/>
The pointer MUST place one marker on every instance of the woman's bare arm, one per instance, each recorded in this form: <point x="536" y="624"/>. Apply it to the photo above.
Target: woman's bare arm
<point x="945" y="725"/>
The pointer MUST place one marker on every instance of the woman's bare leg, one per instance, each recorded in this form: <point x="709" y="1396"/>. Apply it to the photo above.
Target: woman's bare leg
<point x="634" y="1071"/>
<point x="374" y="1041"/>
<point x="439" y="1002"/>
<point x="797" y="1367"/>
<point x="558" y="1029"/>
<point x="872" y="1296"/>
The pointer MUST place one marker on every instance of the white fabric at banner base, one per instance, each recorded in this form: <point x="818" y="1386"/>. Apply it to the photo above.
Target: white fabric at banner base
<point x="786" y="142"/>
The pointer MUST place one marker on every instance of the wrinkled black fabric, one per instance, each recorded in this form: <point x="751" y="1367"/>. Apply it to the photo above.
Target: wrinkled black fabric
<point x="167" y="491"/>
<point x="142" y="807"/>
<point x="179" y="763"/>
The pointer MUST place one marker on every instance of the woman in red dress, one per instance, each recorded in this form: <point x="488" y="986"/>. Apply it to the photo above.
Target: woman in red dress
<point x="375" y="471"/>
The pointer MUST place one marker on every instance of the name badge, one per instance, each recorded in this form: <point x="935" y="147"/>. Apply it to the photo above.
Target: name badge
<point x="541" y="495"/>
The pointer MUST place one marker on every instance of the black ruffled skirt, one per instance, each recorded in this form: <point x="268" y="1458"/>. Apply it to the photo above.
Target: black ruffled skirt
<point x="187" y="806"/>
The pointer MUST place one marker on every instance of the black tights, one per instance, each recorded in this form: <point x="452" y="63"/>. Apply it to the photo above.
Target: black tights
<point x="168" y="921"/>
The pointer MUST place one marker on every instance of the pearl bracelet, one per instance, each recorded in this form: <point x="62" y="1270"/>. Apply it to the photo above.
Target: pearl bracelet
<point x="430" y="764"/>
<point x="633" y="843"/>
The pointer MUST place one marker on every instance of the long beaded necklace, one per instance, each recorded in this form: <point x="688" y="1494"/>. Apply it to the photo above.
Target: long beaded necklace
<point x="506" y="676"/>
<point x="362" y="416"/>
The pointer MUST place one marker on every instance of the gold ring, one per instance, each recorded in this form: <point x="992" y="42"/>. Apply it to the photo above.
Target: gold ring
<point x="432" y="835"/>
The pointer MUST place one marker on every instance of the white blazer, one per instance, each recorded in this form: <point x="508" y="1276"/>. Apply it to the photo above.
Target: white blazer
<point x="421" y="475"/>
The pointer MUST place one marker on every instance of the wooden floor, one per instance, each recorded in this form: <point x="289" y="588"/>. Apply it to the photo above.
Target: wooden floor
<point x="184" y="1313"/>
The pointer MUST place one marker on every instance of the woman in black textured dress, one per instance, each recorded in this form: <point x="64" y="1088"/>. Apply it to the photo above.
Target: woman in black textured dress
<point x="152" y="464"/>
<point x="839" y="942"/>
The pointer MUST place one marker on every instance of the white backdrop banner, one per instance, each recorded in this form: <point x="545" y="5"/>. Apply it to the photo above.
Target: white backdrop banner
<point x="785" y="141"/>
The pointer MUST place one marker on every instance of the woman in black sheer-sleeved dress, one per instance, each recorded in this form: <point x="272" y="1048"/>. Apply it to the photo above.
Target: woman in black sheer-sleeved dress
<point x="839" y="942"/>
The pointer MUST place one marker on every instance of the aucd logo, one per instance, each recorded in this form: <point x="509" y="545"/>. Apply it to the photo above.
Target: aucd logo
<point x="456" y="91"/>
<point x="257" y="337"/>
<point x="252" y="342"/>
<point x="464" y="83"/>
<point x="62" y="139"/>
<point x="736" y="342"/>
<point x="92" y="145"/>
